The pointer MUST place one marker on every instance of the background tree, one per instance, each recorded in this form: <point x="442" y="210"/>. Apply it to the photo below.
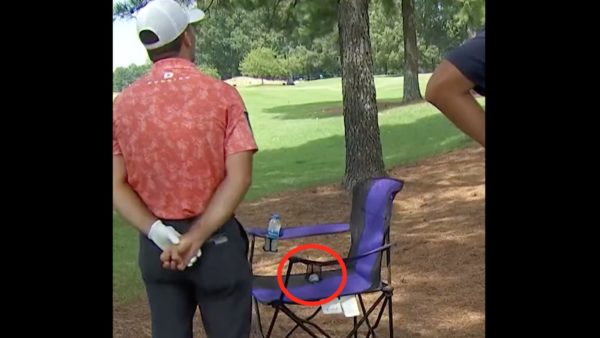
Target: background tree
<point x="349" y="38"/>
<point x="261" y="63"/>
<point x="124" y="76"/>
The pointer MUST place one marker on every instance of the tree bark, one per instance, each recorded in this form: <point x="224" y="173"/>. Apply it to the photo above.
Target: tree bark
<point x="363" y="145"/>
<point x="412" y="91"/>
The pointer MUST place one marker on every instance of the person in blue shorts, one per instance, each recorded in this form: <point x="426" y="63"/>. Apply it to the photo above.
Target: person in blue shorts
<point x="452" y="84"/>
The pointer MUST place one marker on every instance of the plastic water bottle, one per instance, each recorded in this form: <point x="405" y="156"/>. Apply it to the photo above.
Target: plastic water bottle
<point x="273" y="233"/>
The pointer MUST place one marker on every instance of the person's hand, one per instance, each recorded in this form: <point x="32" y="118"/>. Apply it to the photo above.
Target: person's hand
<point x="182" y="255"/>
<point x="163" y="236"/>
<point x="168" y="261"/>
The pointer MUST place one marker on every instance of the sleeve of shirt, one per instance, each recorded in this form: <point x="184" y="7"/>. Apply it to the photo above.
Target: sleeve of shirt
<point x="469" y="58"/>
<point x="238" y="135"/>
<point x="116" y="147"/>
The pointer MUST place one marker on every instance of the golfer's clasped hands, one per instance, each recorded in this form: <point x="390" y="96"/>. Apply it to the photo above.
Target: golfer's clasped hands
<point x="169" y="241"/>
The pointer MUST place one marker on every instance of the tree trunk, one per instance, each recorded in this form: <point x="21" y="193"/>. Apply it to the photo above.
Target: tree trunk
<point x="412" y="91"/>
<point x="363" y="145"/>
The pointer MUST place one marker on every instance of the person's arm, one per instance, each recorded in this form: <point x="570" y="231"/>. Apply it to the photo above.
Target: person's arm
<point x="129" y="205"/>
<point x="227" y="197"/>
<point x="240" y="147"/>
<point x="126" y="201"/>
<point x="450" y="91"/>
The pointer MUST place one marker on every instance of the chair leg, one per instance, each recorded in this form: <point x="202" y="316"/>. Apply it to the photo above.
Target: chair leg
<point x="257" y="310"/>
<point x="298" y="321"/>
<point x="251" y="258"/>
<point x="387" y="301"/>
<point x="273" y="321"/>
<point x="365" y="316"/>
<point x="307" y="320"/>
<point x="362" y="305"/>
<point x="383" y="307"/>
<point x="389" y="292"/>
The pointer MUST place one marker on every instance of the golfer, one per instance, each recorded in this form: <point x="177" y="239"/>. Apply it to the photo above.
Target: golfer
<point x="182" y="162"/>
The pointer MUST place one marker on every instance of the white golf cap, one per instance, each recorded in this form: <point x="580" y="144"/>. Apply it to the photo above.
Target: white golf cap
<point x="167" y="19"/>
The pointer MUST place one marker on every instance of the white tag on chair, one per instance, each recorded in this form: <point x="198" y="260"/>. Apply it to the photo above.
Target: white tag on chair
<point x="350" y="306"/>
<point x="333" y="307"/>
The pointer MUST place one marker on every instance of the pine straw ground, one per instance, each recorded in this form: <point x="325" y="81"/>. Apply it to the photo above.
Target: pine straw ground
<point x="438" y="258"/>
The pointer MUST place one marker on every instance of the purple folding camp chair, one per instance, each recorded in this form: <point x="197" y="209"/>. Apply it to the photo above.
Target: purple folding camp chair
<point x="370" y="235"/>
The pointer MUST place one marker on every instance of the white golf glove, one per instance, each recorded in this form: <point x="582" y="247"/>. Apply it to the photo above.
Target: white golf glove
<point x="165" y="236"/>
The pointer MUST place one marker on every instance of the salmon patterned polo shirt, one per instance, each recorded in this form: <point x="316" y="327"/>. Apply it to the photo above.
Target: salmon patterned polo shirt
<point x="174" y="128"/>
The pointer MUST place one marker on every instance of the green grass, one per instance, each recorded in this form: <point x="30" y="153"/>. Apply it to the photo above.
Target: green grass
<point x="300" y="132"/>
<point x="127" y="282"/>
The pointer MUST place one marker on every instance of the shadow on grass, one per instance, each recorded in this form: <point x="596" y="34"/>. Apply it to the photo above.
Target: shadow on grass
<point x="323" y="160"/>
<point x="327" y="109"/>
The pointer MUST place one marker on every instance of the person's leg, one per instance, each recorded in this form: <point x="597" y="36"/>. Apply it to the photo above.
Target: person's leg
<point x="228" y="315"/>
<point x="172" y="298"/>
<point x="172" y="308"/>
<point x="450" y="85"/>
<point x="224" y="285"/>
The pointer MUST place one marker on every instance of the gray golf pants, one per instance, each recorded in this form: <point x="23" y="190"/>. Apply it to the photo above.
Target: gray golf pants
<point x="219" y="283"/>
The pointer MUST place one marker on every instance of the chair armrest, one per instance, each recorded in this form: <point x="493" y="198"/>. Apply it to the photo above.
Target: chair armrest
<point x="303" y="230"/>
<point x="296" y="259"/>
<point x="320" y="264"/>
